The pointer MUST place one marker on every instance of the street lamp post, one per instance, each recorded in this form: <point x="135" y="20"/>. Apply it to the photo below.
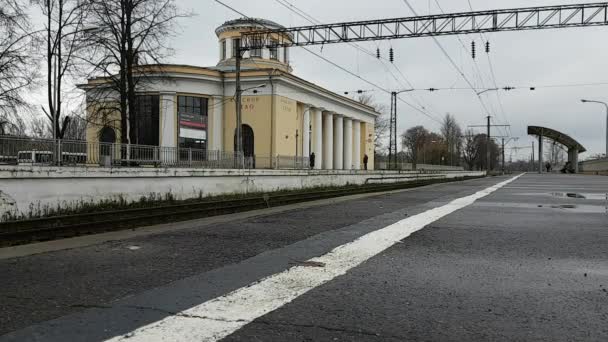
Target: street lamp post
<point x="606" y="105"/>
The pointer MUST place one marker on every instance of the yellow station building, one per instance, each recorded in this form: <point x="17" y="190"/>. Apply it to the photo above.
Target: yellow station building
<point x="191" y="107"/>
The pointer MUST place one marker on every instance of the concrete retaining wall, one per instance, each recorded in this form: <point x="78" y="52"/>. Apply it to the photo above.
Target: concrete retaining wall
<point x="595" y="167"/>
<point x="419" y="167"/>
<point x="22" y="187"/>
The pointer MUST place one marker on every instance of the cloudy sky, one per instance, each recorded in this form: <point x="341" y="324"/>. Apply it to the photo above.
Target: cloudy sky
<point x="520" y="59"/>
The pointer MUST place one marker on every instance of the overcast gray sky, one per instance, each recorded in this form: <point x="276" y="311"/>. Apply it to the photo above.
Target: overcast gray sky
<point x="520" y="59"/>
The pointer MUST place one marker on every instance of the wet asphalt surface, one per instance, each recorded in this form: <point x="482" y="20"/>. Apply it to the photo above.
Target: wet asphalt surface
<point x="503" y="269"/>
<point x="519" y="265"/>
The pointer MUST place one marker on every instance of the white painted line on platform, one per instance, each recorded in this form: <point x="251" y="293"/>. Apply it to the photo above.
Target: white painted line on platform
<point x="222" y="316"/>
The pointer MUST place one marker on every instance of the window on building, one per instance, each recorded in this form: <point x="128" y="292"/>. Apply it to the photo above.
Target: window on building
<point x="223" y="49"/>
<point x="144" y="124"/>
<point x="236" y="45"/>
<point x="192" y="113"/>
<point x="256" y="53"/>
<point x="274" y="50"/>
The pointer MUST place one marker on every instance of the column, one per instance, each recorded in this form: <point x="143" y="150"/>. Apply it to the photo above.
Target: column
<point x="348" y="144"/>
<point x="575" y="160"/>
<point x="357" y="145"/>
<point x="338" y="142"/>
<point x="228" y="48"/>
<point x="216" y="125"/>
<point x="328" y="141"/>
<point x="317" y="146"/>
<point x="306" y="132"/>
<point x="540" y="154"/>
<point x="169" y="129"/>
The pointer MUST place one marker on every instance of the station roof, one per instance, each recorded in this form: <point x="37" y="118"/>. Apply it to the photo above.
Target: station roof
<point x="557" y="136"/>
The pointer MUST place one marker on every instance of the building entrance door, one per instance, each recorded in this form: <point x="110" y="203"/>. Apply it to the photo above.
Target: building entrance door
<point x="248" y="146"/>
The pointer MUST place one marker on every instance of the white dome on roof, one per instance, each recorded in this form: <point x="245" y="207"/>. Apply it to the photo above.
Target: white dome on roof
<point x="256" y="23"/>
<point x="229" y="34"/>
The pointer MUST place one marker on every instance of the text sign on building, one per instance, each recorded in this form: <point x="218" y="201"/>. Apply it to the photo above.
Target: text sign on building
<point x="192" y="120"/>
<point x="192" y="113"/>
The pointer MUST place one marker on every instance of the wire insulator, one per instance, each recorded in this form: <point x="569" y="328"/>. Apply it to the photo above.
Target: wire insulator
<point x="378" y="53"/>
<point x="473" y="54"/>
<point x="488" y="46"/>
<point x="391" y="54"/>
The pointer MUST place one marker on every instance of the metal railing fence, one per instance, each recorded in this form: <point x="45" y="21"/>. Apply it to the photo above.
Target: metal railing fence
<point x="35" y="151"/>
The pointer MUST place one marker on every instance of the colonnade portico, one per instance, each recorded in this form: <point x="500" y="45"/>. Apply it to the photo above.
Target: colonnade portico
<point x="334" y="139"/>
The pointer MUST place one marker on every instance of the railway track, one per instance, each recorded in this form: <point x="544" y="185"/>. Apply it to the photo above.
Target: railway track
<point x="52" y="228"/>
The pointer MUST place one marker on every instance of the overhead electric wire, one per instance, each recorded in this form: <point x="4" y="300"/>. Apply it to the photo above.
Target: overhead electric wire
<point x="453" y="63"/>
<point x="341" y="68"/>
<point x="374" y="85"/>
<point x="484" y="40"/>
<point x="382" y="60"/>
<point x="476" y="65"/>
<point x="479" y="73"/>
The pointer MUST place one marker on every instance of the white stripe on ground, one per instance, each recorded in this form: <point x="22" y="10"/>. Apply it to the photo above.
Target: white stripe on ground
<point x="222" y="316"/>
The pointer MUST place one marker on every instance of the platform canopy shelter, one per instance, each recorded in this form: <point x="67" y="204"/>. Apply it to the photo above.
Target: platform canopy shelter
<point x="573" y="146"/>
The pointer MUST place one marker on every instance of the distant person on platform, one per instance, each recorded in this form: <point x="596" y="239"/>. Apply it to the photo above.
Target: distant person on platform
<point x="312" y="160"/>
<point x="365" y="160"/>
<point x="548" y="167"/>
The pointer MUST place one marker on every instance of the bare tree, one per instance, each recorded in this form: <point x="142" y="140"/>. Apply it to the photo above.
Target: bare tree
<point x="471" y="149"/>
<point x="451" y="132"/>
<point x="16" y="126"/>
<point x="127" y="35"/>
<point x="382" y="123"/>
<point x="434" y="150"/>
<point x="413" y="140"/>
<point x="65" y="22"/>
<point x="40" y="128"/>
<point x="480" y="162"/>
<point x="76" y="129"/>
<point x="17" y="64"/>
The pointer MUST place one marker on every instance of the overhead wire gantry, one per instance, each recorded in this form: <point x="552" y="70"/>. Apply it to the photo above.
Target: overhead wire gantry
<point x="518" y="19"/>
<point x="531" y="18"/>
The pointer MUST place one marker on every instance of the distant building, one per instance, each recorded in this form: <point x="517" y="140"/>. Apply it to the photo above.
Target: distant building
<point x="189" y="107"/>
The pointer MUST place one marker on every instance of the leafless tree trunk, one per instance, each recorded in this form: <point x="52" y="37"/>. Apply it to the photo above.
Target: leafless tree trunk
<point x="471" y="150"/>
<point x="65" y="22"/>
<point x="451" y="132"/>
<point x="77" y="128"/>
<point x="41" y="128"/>
<point x="382" y="122"/>
<point x="17" y="64"/>
<point x="127" y="35"/>
<point x="413" y="140"/>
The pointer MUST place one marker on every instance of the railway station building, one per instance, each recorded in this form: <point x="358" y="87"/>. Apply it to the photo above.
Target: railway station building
<point x="193" y="107"/>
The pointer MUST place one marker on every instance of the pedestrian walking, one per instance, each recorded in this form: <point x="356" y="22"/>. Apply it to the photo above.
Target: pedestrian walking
<point x="312" y="160"/>
<point x="365" y="160"/>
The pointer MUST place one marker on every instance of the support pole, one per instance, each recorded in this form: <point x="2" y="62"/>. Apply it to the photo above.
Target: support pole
<point x="503" y="156"/>
<point x="533" y="159"/>
<point x="488" y="152"/>
<point x="392" y="149"/>
<point x="540" y="153"/>
<point x="239" y="122"/>
<point x="606" y="131"/>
